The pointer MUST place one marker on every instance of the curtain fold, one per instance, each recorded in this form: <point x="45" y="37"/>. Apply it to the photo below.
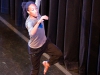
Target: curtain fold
<point x="0" y="5"/>
<point x="84" y="35"/>
<point x="12" y="7"/>
<point x="93" y="51"/>
<point x="5" y="6"/>
<point x="52" y="25"/>
<point x="45" y="5"/>
<point x="61" y="27"/>
<point x="72" y="36"/>
<point x="18" y="13"/>
<point x="98" y="68"/>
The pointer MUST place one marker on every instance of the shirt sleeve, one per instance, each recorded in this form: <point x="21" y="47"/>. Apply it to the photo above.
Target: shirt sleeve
<point x="30" y="26"/>
<point x="37" y="2"/>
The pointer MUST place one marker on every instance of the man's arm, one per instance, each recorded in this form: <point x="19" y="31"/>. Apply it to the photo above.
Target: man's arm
<point x="37" y="2"/>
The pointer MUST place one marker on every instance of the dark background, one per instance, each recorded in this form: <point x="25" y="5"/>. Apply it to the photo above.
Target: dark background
<point x="74" y="26"/>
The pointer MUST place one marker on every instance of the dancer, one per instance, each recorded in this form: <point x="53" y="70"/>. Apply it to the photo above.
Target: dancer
<point x="38" y="42"/>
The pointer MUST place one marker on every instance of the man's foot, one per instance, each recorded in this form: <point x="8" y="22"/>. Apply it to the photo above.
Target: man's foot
<point x="46" y="66"/>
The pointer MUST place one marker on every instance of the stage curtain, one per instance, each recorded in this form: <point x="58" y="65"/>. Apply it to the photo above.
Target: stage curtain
<point x="12" y="9"/>
<point x="61" y="27"/>
<point x="45" y="5"/>
<point x="72" y="34"/>
<point x="94" y="43"/>
<point x="4" y="6"/>
<point x="53" y="16"/>
<point x="73" y="25"/>
<point x="90" y="38"/>
<point x="84" y="35"/>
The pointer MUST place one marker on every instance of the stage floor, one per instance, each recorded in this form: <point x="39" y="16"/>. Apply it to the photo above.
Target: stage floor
<point x="14" y="58"/>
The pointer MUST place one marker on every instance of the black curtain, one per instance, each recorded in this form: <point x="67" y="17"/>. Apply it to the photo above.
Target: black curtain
<point x="85" y="32"/>
<point x="4" y="6"/>
<point x="45" y="5"/>
<point x="89" y="45"/>
<point x="61" y="27"/>
<point x="53" y="16"/>
<point x="74" y="26"/>
<point x="18" y="13"/>
<point x="93" y="50"/>
<point x="72" y="34"/>
<point x="12" y="7"/>
<point x="0" y="5"/>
